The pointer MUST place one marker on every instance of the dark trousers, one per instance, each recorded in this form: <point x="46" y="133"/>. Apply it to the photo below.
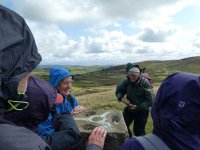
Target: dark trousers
<point x="140" y="119"/>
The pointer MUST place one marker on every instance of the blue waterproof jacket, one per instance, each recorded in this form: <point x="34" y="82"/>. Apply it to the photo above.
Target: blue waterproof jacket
<point x="175" y="113"/>
<point x="57" y="74"/>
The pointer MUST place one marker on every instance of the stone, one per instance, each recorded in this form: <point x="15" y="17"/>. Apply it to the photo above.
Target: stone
<point x="112" y="120"/>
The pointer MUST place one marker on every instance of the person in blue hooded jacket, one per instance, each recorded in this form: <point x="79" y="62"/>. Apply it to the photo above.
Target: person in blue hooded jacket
<point x="175" y="115"/>
<point x="61" y="79"/>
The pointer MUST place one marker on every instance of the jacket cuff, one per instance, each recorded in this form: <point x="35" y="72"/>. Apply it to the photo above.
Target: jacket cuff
<point x="119" y="97"/>
<point x="93" y="147"/>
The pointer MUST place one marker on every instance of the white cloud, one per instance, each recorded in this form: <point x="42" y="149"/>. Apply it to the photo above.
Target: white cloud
<point x="149" y="35"/>
<point x="52" y="41"/>
<point x="95" y="10"/>
<point x="62" y="11"/>
<point x="196" y="40"/>
<point x="103" y="33"/>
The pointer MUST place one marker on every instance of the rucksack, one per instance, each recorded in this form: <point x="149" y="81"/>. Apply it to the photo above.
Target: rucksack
<point x="146" y="75"/>
<point x="152" y="142"/>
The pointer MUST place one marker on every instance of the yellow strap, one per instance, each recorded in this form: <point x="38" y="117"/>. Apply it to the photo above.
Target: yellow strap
<point x="15" y="104"/>
<point x="11" y="108"/>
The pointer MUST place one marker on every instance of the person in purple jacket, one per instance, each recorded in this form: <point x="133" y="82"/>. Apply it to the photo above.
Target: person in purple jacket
<point x="18" y="57"/>
<point x="26" y="100"/>
<point x="175" y="114"/>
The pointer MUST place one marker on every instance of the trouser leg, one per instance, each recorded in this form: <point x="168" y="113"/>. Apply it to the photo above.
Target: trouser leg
<point x="128" y="118"/>
<point x="140" y="122"/>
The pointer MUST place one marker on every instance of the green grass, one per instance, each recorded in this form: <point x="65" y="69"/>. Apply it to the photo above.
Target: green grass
<point x="104" y="98"/>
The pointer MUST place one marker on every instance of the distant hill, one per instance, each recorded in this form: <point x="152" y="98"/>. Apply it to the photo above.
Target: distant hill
<point x="42" y="71"/>
<point x="111" y="75"/>
<point x="158" y="70"/>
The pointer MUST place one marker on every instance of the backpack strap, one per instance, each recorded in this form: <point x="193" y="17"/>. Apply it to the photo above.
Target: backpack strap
<point x="152" y="142"/>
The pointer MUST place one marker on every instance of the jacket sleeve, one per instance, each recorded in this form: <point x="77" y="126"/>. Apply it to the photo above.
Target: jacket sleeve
<point x="148" y="96"/>
<point x="67" y="135"/>
<point x="93" y="147"/>
<point x="131" y="144"/>
<point x="121" y="90"/>
<point x="16" y="137"/>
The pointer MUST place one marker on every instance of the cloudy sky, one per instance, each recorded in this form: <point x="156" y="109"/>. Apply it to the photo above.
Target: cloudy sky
<point x="111" y="32"/>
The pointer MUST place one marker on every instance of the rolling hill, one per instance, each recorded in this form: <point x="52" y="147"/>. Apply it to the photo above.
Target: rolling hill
<point x="158" y="71"/>
<point x="92" y="76"/>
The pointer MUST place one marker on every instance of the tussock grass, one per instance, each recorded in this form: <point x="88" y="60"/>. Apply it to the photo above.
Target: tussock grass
<point x="103" y="98"/>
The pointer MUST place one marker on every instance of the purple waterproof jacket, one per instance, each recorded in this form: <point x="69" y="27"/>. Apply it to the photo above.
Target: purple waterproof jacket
<point x="41" y="96"/>
<point x="175" y="113"/>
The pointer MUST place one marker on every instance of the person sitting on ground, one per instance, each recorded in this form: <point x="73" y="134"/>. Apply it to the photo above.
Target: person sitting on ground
<point x="61" y="79"/>
<point x="176" y="123"/>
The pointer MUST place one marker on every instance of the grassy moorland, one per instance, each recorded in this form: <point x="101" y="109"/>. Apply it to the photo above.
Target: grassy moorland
<point x="94" y="86"/>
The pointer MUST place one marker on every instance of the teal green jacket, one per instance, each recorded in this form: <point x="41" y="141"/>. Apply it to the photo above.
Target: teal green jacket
<point x="139" y="93"/>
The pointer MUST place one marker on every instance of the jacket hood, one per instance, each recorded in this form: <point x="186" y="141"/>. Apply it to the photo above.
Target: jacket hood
<point x="18" y="52"/>
<point x="57" y="74"/>
<point x="176" y="111"/>
<point x="41" y="97"/>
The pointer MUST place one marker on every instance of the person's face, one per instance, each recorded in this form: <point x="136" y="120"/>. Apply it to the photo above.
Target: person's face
<point x="133" y="77"/>
<point x="65" y="85"/>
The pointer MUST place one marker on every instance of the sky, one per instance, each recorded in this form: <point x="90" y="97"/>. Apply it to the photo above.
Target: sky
<point x="111" y="32"/>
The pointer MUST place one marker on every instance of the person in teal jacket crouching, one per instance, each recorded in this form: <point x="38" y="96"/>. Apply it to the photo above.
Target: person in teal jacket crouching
<point x="137" y="94"/>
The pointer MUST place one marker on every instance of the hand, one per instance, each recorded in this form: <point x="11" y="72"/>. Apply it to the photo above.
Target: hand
<point x="125" y="101"/>
<point x="78" y="109"/>
<point x="98" y="136"/>
<point x="132" y="107"/>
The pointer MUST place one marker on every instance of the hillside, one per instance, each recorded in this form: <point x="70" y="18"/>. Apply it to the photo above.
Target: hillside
<point x="93" y="76"/>
<point x="158" y="70"/>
